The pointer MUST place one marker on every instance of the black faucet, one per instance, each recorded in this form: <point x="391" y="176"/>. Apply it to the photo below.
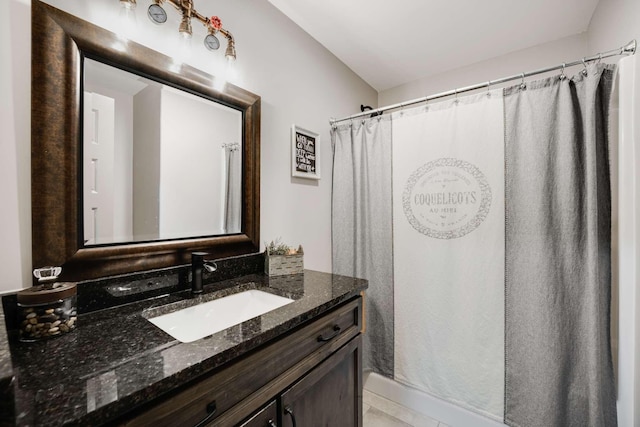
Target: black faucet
<point x="197" y="264"/>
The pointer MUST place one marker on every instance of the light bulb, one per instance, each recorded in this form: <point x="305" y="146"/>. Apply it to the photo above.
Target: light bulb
<point x="127" y="19"/>
<point x="219" y="84"/>
<point x="183" y="53"/>
<point x="231" y="72"/>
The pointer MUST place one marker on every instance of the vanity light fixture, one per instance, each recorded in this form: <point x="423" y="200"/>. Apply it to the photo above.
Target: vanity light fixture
<point x="158" y="15"/>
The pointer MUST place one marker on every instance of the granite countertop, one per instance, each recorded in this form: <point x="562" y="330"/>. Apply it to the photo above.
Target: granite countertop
<point x="117" y="360"/>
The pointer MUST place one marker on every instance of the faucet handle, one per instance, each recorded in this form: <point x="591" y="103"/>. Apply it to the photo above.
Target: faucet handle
<point x="198" y="258"/>
<point x="210" y="266"/>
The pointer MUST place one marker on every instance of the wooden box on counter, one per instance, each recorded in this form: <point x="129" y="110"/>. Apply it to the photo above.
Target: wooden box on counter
<point x="281" y="265"/>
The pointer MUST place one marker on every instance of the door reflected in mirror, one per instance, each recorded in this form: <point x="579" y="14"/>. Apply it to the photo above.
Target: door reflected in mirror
<point x="158" y="163"/>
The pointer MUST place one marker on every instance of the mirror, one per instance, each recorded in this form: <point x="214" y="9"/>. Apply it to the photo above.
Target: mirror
<point x="66" y="51"/>
<point x="158" y="163"/>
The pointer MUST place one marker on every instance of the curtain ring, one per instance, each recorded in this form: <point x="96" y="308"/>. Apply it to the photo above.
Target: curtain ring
<point x="599" y="58"/>
<point x="489" y="89"/>
<point x="455" y="101"/>
<point x="426" y="103"/>
<point x="584" y="70"/>
<point x="523" y="85"/>
<point x="562" y="76"/>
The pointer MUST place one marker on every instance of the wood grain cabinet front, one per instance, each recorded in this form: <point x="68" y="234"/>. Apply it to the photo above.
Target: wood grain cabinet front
<point x="232" y="394"/>
<point x="329" y="395"/>
<point x="266" y="417"/>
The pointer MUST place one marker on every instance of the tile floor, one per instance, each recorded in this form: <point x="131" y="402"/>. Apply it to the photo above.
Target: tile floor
<point x="381" y="412"/>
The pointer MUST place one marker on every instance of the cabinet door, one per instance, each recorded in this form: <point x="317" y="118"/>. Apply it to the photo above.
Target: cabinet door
<point x="329" y="395"/>
<point x="266" y="417"/>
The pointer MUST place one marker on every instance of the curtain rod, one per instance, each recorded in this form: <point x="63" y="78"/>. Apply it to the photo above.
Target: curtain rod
<point x="628" y="49"/>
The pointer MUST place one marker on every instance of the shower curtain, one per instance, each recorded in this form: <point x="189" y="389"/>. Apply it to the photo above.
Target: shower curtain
<point x="490" y="285"/>
<point x="233" y="188"/>
<point x="448" y="187"/>
<point x="559" y="370"/>
<point x="361" y="227"/>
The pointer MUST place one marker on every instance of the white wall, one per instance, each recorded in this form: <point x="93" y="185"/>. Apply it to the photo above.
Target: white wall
<point x="544" y="55"/>
<point x="627" y="257"/>
<point x="15" y="144"/>
<point x="192" y="170"/>
<point x="299" y="81"/>
<point x="146" y="157"/>
<point x="614" y="23"/>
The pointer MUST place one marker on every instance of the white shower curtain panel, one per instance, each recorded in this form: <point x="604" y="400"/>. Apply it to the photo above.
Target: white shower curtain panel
<point x="449" y="234"/>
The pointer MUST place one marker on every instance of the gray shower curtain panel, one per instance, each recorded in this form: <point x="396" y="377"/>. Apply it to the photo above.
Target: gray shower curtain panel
<point x="362" y="229"/>
<point x="558" y="365"/>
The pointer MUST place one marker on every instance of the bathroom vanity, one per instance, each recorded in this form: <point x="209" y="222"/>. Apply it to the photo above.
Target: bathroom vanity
<point x="297" y="365"/>
<point x="301" y="361"/>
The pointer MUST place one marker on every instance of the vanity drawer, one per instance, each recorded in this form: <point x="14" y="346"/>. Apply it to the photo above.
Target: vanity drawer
<point x="256" y="377"/>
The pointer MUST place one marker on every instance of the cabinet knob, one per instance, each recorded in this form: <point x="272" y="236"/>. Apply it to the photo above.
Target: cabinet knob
<point x="336" y="332"/>
<point x="211" y="411"/>
<point x="271" y="423"/>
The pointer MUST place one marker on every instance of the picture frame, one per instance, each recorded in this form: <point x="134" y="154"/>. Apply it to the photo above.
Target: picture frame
<point x="305" y="153"/>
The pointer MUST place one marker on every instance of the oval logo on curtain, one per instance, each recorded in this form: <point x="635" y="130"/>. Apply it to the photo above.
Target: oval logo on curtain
<point x="446" y="198"/>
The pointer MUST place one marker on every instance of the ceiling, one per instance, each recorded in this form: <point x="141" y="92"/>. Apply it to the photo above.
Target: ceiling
<point x="392" y="42"/>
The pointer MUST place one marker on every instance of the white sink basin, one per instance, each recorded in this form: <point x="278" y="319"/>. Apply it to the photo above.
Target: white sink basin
<point x="192" y="323"/>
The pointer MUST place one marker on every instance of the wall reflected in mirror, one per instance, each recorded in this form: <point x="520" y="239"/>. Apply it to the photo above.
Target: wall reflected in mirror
<point x="158" y="163"/>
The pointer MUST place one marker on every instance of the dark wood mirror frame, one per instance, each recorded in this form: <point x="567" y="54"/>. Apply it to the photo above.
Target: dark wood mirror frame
<point x="60" y="41"/>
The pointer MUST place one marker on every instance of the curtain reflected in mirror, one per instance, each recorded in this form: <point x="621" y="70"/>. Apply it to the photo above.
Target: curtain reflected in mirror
<point x="158" y="163"/>
<point x="233" y="176"/>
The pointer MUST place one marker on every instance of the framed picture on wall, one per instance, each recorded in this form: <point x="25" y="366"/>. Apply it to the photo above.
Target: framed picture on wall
<point x="305" y="153"/>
